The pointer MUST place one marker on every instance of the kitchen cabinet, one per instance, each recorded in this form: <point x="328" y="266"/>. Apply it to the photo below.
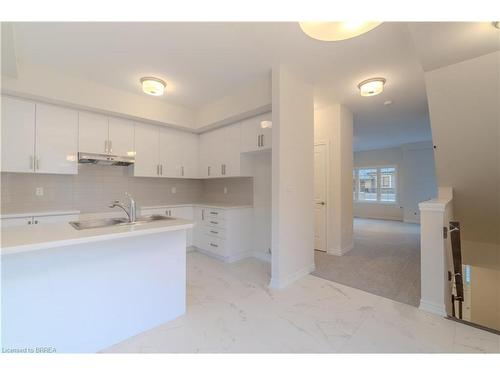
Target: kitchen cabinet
<point x="190" y="155"/>
<point x="220" y="152"/>
<point x="18" y="135"/>
<point x="56" y="140"/>
<point x="253" y="136"/>
<point x="121" y="137"/>
<point x="92" y="133"/>
<point x="147" y="151"/>
<point x="38" y="137"/>
<point x="35" y="220"/>
<point x="100" y="134"/>
<point x="170" y="153"/>
<point x="225" y="234"/>
<point x="181" y="212"/>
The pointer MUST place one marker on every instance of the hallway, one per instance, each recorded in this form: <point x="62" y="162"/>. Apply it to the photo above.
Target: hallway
<point x="385" y="260"/>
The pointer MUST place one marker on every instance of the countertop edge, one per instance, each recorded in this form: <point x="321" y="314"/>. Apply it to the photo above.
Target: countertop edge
<point x="96" y="238"/>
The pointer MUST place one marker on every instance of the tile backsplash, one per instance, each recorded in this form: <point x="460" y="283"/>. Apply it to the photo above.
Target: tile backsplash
<point x="96" y="186"/>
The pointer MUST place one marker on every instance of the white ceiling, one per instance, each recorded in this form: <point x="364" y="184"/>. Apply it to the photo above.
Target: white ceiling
<point x="202" y="62"/>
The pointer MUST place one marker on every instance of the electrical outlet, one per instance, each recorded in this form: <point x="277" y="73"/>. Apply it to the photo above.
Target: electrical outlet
<point x="39" y="191"/>
<point x="173" y="190"/>
<point x="225" y="189"/>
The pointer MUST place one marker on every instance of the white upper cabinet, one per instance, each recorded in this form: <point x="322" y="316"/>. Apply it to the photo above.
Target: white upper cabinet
<point x="147" y="151"/>
<point x="56" y="140"/>
<point x="190" y="154"/>
<point x="18" y="135"/>
<point x="170" y="153"/>
<point x="100" y="134"/>
<point x="121" y="137"/>
<point x="220" y="152"/>
<point x="231" y="150"/>
<point x="253" y="136"/>
<point x="93" y="133"/>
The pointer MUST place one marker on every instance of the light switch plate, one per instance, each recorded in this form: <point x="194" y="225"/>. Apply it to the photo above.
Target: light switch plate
<point x="39" y="191"/>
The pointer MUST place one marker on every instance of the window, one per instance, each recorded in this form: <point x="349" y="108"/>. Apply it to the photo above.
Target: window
<point x="375" y="184"/>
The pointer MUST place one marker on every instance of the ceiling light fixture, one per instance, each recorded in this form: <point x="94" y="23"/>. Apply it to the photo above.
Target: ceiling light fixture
<point x="371" y="87"/>
<point x="153" y="86"/>
<point x="334" y="31"/>
<point x="496" y="24"/>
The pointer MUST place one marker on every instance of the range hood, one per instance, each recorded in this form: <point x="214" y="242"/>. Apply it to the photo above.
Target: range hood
<point x="104" y="159"/>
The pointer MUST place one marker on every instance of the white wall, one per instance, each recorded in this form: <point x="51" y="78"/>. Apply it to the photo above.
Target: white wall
<point x="292" y="178"/>
<point x="249" y="101"/>
<point x="416" y="180"/>
<point x="334" y="125"/>
<point x="464" y="102"/>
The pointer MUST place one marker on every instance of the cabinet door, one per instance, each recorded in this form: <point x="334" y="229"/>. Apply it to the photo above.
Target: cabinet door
<point x="54" y="219"/>
<point x="16" y="221"/>
<point x="147" y="142"/>
<point x="190" y="155"/>
<point x="93" y="133"/>
<point x="170" y="153"/>
<point x="250" y="133"/>
<point x="121" y="137"/>
<point x="18" y="135"/>
<point x="231" y="150"/>
<point x="56" y="140"/>
<point x="206" y="167"/>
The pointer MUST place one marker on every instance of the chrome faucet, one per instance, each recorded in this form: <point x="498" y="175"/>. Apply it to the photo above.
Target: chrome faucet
<point x="129" y="209"/>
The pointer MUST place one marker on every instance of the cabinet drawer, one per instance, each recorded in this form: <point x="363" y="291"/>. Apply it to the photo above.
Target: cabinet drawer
<point x="214" y="213"/>
<point x="217" y="223"/>
<point x="215" y="245"/>
<point x="215" y="232"/>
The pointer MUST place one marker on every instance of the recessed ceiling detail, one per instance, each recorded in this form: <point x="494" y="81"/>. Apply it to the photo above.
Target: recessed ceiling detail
<point x="335" y="31"/>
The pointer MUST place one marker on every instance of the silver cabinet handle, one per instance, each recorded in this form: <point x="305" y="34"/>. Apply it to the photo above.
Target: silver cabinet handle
<point x="157" y="169"/>
<point x="32" y="162"/>
<point x="182" y="170"/>
<point x="105" y="146"/>
<point x="214" y="232"/>
<point x="214" y="222"/>
<point x="214" y="213"/>
<point x="208" y="170"/>
<point x="37" y="163"/>
<point x="36" y="221"/>
<point x="161" y="169"/>
<point x="110" y="146"/>
<point x="202" y="214"/>
<point x="213" y="245"/>
<point x="29" y="222"/>
<point x="262" y="140"/>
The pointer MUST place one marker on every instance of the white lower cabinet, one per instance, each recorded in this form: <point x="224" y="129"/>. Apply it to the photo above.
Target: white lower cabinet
<point x="34" y="220"/>
<point x="224" y="233"/>
<point x="181" y="212"/>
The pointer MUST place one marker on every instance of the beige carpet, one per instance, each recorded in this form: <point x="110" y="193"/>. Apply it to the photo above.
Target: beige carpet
<point x="385" y="260"/>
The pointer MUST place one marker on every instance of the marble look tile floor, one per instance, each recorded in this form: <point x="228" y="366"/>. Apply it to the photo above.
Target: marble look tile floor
<point x="230" y="308"/>
<point x="385" y="260"/>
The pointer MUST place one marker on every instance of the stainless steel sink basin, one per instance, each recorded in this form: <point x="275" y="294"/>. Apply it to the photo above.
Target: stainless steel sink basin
<point x="102" y="223"/>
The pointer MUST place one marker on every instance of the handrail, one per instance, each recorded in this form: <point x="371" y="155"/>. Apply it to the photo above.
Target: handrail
<point x="456" y="250"/>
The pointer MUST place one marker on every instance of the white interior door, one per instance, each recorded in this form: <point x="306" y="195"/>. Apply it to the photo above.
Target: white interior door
<point x="320" y="165"/>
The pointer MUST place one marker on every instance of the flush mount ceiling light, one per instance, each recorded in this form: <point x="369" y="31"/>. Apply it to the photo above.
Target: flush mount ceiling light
<point x="153" y="86"/>
<point x="371" y="87"/>
<point x="496" y="24"/>
<point x="334" y="31"/>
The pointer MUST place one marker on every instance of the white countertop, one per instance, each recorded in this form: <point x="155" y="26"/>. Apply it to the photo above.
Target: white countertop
<point x="39" y="213"/>
<point x="222" y="206"/>
<point x="45" y="236"/>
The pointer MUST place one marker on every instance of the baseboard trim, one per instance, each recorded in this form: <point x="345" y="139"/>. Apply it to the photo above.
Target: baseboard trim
<point x="266" y="257"/>
<point x="283" y="282"/>
<point x="433" y="308"/>
<point x="340" y="252"/>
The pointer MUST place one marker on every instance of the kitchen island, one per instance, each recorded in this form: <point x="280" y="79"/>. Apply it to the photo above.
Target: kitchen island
<point x="69" y="290"/>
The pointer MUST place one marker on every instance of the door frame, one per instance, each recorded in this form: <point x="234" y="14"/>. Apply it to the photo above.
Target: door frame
<point x="326" y="143"/>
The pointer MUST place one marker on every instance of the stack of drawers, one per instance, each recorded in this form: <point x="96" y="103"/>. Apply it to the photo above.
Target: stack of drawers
<point x="224" y="233"/>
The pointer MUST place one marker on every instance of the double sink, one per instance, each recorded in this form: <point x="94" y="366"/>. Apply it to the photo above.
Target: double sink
<point x="119" y="221"/>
